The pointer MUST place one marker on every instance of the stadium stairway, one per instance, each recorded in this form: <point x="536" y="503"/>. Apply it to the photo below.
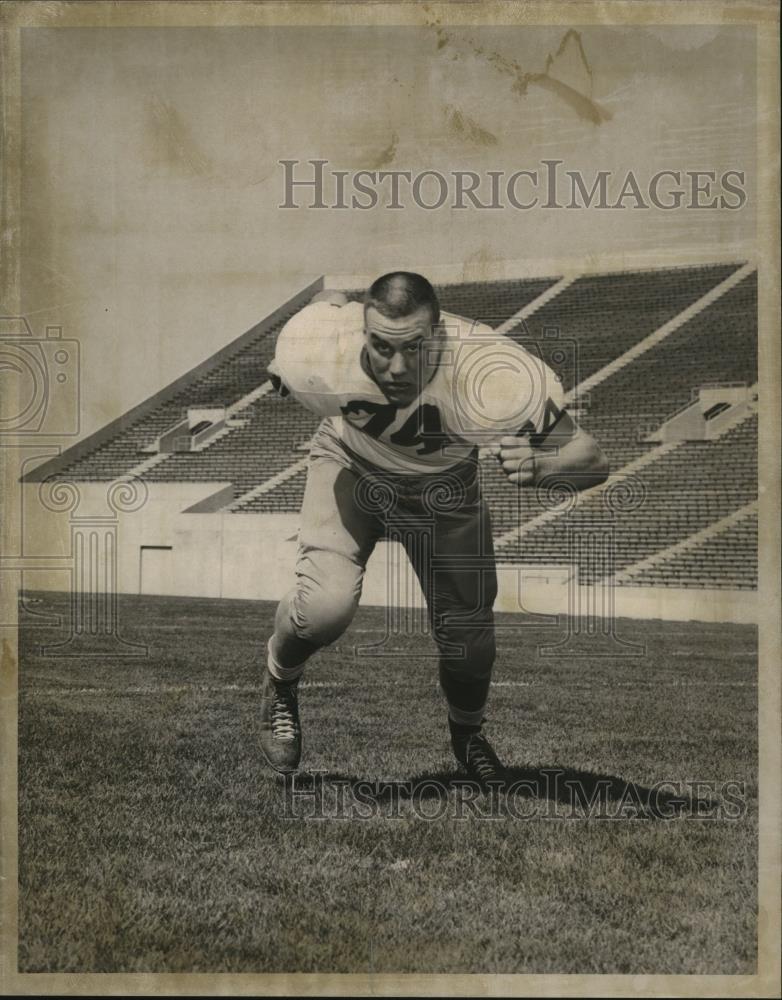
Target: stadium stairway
<point x="711" y="339"/>
<point x="718" y="344"/>
<point x="676" y="492"/>
<point x="630" y="349"/>
<point x="600" y="323"/>
<point x="226" y="382"/>
<point x="594" y="319"/>
<point x="270" y="436"/>
<point x="723" y="555"/>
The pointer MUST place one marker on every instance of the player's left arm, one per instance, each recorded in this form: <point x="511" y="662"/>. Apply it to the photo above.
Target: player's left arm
<point x="561" y="451"/>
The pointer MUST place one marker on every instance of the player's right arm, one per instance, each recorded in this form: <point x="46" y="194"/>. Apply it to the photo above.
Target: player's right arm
<point x="334" y="298"/>
<point x="317" y="357"/>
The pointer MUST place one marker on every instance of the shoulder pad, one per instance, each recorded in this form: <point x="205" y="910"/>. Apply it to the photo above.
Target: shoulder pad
<point x="318" y="354"/>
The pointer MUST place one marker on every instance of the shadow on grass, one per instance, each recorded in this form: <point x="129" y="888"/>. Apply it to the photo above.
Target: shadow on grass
<point x="583" y="794"/>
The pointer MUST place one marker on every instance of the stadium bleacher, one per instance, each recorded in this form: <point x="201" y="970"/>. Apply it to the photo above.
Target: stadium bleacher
<point x="589" y="324"/>
<point x="282" y="499"/>
<point x="602" y="316"/>
<point x="270" y="440"/>
<point x="223" y="385"/>
<point x="683" y="492"/>
<point x="717" y="345"/>
<point x="727" y="559"/>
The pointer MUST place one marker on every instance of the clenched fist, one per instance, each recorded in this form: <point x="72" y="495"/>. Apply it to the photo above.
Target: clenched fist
<point x="517" y="458"/>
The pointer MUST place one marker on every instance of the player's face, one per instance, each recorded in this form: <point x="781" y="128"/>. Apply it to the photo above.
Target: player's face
<point x="401" y="353"/>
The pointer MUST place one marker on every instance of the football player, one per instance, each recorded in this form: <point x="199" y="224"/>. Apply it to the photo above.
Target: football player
<point x="407" y="394"/>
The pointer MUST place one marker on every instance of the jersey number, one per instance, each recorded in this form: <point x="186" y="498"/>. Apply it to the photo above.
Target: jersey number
<point x="423" y="429"/>
<point x="552" y="415"/>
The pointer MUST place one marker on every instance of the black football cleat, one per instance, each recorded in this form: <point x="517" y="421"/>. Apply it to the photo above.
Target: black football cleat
<point x="280" y="728"/>
<point x="477" y="757"/>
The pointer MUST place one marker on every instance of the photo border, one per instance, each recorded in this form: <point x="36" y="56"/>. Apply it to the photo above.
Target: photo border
<point x="16" y="17"/>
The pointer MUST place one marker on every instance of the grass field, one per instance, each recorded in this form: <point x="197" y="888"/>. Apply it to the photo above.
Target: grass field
<point x="152" y="838"/>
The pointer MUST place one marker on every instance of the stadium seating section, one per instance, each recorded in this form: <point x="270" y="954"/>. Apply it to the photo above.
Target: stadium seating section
<point x="719" y="345"/>
<point x="728" y="558"/>
<point x="598" y="318"/>
<point x="682" y="492"/>
<point x="225" y="384"/>
<point x="271" y="439"/>
<point x="678" y="490"/>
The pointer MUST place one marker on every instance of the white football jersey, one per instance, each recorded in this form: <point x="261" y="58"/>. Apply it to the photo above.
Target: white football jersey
<point x="485" y="386"/>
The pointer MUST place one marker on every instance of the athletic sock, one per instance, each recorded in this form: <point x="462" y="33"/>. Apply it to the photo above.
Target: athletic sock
<point x="459" y="729"/>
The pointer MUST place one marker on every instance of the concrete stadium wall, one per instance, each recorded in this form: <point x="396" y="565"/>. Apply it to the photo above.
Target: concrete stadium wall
<point x="161" y="550"/>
